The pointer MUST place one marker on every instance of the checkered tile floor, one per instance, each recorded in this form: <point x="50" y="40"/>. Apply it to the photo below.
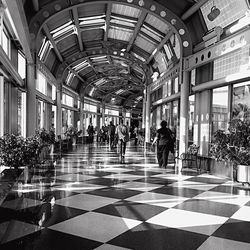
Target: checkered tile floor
<point x="91" y="200"/>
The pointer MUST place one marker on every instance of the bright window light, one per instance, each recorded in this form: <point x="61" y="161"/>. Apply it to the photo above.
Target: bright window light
<point x="81" y="66"/>
<point x="69" y="78"/>
<point x="119" y="91"/>
<point x="100" y="82"/>
<point x="44" y="49"/>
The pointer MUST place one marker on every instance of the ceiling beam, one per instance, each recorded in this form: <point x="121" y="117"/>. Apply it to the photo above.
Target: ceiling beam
<point x="161" y="44"/>
<point x="76" y="20"/>
<point x="193" y="9"/>
<point x="174" y="57"/>
<point x="46" y="30"/>
<point x="108" y="14"/>
<point x="17" y="13"/>
<point x="137" y="29"/>
<point x="36" y="5"/>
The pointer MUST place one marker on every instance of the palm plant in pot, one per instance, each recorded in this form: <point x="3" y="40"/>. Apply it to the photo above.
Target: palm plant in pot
<point x="233" y="145"/>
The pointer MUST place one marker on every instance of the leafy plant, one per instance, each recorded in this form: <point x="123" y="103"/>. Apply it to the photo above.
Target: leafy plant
<point x="72" y="131"/>
<point x="46" y="137"/>
<point x="16" y="151"/>
<point x="234" y="144"/>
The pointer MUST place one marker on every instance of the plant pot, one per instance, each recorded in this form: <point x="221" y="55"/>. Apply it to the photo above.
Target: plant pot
<point x="222" y="169"/>
<point x="73" y="140"/>
<point x="243" y="173"/>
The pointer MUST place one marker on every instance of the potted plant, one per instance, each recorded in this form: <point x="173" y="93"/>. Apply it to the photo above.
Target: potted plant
<point x="233" y="146"/>
<point x="47" y="139"/>
<point x="72" y="133"/>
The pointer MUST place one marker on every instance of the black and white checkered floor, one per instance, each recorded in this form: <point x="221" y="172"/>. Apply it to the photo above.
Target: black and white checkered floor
<point x="90" y="200"/>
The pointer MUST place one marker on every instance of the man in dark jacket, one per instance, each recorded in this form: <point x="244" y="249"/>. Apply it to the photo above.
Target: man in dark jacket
<point x="165" y="143"/>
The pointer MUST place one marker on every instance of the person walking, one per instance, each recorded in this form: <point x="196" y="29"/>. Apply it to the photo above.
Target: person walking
<point x="91" y="132"/>
<point x="165" y="141"/>
<point x="123" y="137"/>
<point x="111" y="134"/>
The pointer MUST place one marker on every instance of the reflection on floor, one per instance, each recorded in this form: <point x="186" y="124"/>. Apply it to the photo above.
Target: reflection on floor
<point x="90" y="200"/>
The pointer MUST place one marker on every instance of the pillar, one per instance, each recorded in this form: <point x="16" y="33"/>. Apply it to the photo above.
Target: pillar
<point x="31" y="100"/>
<point x="59" y="109"/>
<point x="147" y="116"/>
<point x="103" y="114"/>
<point x="144" y="109"/>
<point x="1" y="105"/>
<point x="184" y="103"/>
<point x="81" y="114"/>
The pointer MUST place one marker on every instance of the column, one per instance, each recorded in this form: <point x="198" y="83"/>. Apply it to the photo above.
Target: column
<point x="147" y="116"/>
<point x="184" y="103"/>
<point x="31" y="100"/>
<point x="144" y="109"/>
<point x="81" y="113"/>
<point x="59" y="109"/>
<point x="103" y="114"/>
<point x="1" y="105"/>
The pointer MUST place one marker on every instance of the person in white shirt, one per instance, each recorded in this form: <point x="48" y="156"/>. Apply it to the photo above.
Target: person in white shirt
<point x="123" y="137"/>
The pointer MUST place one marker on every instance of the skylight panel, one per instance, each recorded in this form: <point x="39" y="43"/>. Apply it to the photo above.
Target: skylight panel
<point x="100" y="82"/>
<point x="138" y="57"/>
<point x="69" y="78"/>
<point x="44" y="49"/>
<point x="64" y="32"/>
<point x="119" y="91"/>
<point x="61" y="27"/>
<point x="139" y="98"/>
<point x="122" y="23"/>
<point x="81" y="66"/>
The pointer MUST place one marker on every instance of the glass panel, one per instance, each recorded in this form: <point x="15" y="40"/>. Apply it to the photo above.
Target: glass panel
<point x="5" y="43"/>
<point x="232" y="63"/>
<point x="241" y="100"/>
<point x="166" y="112"/>
<point x="175" y="121"/>
<point x="21" y="67"/>
<point x="191" y="120"/>
<point x="219" y="109"/>
<point x="176" y="85"/>
<point x="41" y="83"/>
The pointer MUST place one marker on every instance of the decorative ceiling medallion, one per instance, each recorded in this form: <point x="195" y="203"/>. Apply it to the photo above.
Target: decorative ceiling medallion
<point x="181" y="32"/>
<point x="152" y="8"/>
<point x="46" y="14"/>
<point x="141" y="3"/>
<point x="163" y="13"/>
<point x="58" y="7"/>
<point x="173" y="21"/>
<point x="185" y="44"/>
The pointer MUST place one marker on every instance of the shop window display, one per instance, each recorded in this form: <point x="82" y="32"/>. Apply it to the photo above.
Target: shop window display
<point x="241" y="101"/>
<point x="219" y="109"/>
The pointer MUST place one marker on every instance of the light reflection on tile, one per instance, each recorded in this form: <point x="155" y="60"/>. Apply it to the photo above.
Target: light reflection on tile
<point x="106" y="226"/>
<point x="156" y="199"/>
<point x="215" y="243"/>
<point x="85" y="201"/>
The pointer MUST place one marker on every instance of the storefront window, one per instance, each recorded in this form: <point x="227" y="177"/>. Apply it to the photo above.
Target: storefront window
<point x="176" y="85"/>
<point x="220" y="109"/>
<point x="21" y="66"/>
<point x="41" y="84"/>
<point x="241" y="101"/>
<point x="191" y="119"/>
<point x="21" y="113"/>
<point x="6" y="43"/>
<point x="175" y="122"/>
<point x="166" y="113"/>
<point x="41" y="109"/>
